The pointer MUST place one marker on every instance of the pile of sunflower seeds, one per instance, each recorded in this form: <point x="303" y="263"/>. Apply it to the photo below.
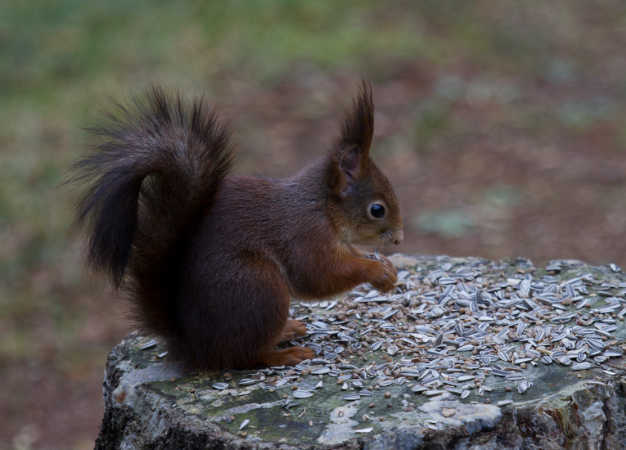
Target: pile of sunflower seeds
<point x="455" y="326"/>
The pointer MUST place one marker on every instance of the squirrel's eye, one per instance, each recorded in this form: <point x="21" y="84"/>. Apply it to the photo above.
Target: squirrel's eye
<point x="377" y="211"/>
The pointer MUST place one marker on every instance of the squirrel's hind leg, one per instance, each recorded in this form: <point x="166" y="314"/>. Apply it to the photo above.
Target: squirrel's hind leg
<point x="259" y="306"/>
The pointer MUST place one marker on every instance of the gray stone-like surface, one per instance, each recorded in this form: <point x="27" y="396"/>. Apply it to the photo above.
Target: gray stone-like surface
<point x="150" y="403"/>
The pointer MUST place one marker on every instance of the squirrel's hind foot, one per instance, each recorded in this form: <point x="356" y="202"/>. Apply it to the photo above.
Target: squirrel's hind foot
<point x="286" y="357"/>
<point x="292" y="330"/>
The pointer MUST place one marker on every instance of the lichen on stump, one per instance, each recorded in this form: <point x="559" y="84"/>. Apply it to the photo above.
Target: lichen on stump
<point x="465" y="351"/>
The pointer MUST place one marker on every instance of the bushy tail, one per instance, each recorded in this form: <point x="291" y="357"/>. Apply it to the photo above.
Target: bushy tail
<point x="156" y="171"/>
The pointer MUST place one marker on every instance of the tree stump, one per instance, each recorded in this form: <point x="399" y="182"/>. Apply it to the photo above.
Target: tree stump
<point x="465" y="353"/>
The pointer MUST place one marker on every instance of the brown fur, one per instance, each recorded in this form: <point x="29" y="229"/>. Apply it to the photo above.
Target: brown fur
<point x="210" y="260"/>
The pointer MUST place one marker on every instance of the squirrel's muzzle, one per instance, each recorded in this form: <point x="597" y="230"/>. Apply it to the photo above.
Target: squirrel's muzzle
<point x="397" y="237"/>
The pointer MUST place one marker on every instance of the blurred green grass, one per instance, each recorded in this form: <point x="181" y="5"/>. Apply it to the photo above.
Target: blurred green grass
<point x="62" y="62"/>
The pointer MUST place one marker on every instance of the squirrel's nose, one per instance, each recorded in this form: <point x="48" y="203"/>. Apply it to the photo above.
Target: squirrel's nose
<point x="398" y="236"/>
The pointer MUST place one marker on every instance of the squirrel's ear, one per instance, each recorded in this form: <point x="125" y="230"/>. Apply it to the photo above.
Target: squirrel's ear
<point x="352" y="151"/>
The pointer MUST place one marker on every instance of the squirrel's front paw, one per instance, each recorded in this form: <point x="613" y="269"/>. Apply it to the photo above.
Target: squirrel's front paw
<point x="387" y="275"/>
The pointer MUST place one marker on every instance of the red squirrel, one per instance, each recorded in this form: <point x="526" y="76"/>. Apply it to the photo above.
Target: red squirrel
<point x="211" y="260"/>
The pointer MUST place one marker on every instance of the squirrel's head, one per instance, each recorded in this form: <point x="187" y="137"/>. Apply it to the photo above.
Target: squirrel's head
<point x="363" y="204"/>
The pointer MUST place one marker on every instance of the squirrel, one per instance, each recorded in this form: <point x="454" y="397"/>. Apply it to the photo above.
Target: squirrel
<point x="210" y="260"/>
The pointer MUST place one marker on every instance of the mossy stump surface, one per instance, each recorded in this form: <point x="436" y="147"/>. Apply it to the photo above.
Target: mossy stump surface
<point x="465" y="353"/>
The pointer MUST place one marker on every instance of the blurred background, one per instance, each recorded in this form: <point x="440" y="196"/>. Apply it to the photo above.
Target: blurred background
<point x="501" y="124"/>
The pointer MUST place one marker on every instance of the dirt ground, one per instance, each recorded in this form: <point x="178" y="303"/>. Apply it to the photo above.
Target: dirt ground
<point x="501" y="145"/>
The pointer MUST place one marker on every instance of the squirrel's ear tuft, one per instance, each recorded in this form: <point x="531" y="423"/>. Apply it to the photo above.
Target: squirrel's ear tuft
<point x="352" y="151"/>
<point x="358" y="126"/>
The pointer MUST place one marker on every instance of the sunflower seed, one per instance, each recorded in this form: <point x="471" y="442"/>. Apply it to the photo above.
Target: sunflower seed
<point x="302" y="394"/>
<point x="433" y="392"/>
<point x="582" y="366"/>
<point x="523" y="386"/>
<point x="148" y="345"/>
